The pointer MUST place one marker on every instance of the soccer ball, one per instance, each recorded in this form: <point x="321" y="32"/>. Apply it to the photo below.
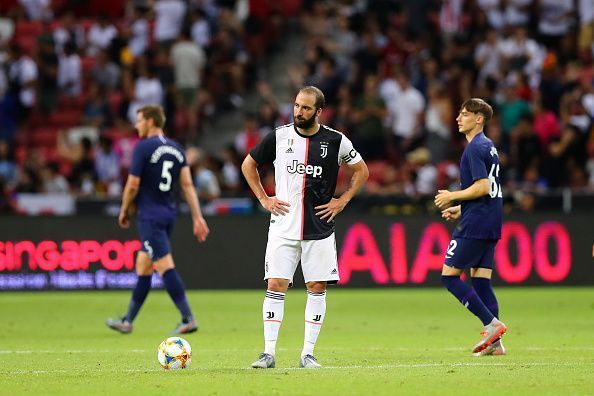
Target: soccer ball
<point x="174" y="353"/>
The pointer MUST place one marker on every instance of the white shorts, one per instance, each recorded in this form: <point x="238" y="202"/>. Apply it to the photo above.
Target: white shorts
<point x="318" y="259"/>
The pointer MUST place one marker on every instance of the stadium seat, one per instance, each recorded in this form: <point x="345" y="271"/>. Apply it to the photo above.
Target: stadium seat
<point x="44" y="137"/>
<point x="27" y="44"/>
<point x="8" y="5"/>
<point x="65" y="118"/>
<point x="28" y="29"/>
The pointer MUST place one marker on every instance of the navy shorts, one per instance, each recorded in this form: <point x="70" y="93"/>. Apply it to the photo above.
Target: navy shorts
<point x="465" y="253"/>
<point x="154" y="236"/>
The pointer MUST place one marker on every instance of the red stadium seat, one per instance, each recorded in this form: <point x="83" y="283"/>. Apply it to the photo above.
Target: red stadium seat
<point x="28" y="29"/>
<point x="8" y="5"/>
<point x="65" y="118"/>
<point x="44" y="137"/>
<point x="27" y="44"/>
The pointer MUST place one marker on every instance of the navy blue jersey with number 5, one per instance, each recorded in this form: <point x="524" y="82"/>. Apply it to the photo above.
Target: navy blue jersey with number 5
<point x="157" y="161"/>
<point x="482" y="217"/>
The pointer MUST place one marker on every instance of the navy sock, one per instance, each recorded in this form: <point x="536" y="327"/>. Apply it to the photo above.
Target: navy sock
<point x="175" y="288"/>
<point x="483" y="288"/>
<point x="468" y="297"/>
<point x="141" y="290"/>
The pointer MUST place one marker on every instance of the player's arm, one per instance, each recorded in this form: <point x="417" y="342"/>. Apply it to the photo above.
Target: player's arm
<point x="130" y="192"/>
<point x="452" y="213"/>
<point x="337" y="205"/>
<point x="199" y="224"/>
<point x="249" y="168"/>
<point x="479" y="188"/>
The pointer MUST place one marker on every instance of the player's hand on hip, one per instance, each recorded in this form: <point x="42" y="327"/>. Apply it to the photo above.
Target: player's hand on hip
<point x="443" y="199"/>
<point x="451" y="214"/>
<point x="330" y="210"/>
<point x="124" y="219"/>
<point x="201" y="229"/>
<point x="275" y="206"/>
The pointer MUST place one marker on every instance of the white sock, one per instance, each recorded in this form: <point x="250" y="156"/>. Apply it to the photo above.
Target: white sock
<point x="273" y="310"/>
<point x="315" y="310"/>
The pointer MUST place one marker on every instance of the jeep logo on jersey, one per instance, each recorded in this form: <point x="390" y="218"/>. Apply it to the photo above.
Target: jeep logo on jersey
<point x="324" y="147"/>
<point x="296" y="167"/>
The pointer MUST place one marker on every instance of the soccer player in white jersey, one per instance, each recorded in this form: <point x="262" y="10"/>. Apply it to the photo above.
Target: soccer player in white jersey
<point x="306" y="157"/>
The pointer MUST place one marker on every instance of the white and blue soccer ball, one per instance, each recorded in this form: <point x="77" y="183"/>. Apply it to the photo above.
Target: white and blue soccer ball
<point x="174" y="353"/>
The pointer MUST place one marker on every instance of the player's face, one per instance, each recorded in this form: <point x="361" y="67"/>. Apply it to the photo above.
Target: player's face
<point x="141" y="125"/>
<point x="468" y="121"/>
<point x="304" y="110"/>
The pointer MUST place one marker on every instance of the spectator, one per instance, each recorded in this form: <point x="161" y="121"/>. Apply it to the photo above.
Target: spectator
<point x="69" y="71"/>
<point x="124" y="147"/>
<point x="48" y="74"/>
<point x="230" y="172"/>
<point x="8" y="168"/>
<point x="205" y="180"/>
<point x="368" y="113"/>
<point x="100" y="35"/>
<point x="405" y="114"/>
<point x="250" y="136"/>
<point x="37" y="10"/>
<point x="68" y="32"/>
<point x="8" y="109"/>
<point x="96" y="110"/>
<point x="139" y="32"/>
<point x="107" y="168"/>
<point x="425" y="173"/>
<point x="22" y="76"/>
<point x="80" y="154"/>
<point x="200" y="28"/>
<point x="188" y="61"/>
<point x="53" y="181"/>
<point x="438" y="122"/>
<point x="147" y="89"/>
<point x="169" y="17"/>
<point x="105" y="72"/>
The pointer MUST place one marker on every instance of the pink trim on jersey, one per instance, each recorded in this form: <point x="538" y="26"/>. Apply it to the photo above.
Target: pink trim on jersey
<point x="303" y="188"/>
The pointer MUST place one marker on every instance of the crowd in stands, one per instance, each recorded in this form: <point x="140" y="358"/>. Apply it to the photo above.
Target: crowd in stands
<point x="394" y="73"/>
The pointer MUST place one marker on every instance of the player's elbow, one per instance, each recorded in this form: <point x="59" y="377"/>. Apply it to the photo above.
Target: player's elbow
<point x="483" y="187"/>
<point x="248" y="166"/>
<point x="364" y="173"/>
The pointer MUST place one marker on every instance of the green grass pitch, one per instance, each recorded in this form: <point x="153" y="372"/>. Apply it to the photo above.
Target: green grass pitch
<point x="373" y="342"/>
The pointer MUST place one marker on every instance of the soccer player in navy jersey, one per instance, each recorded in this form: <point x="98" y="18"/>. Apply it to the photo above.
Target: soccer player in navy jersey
<point x="475" y="236"/>
<point x="158" y="164"/>
<point x="306" y="157"/>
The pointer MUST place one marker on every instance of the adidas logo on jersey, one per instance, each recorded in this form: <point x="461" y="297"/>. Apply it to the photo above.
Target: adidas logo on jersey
<point x="297" y="167"/>
<point x="334" y="272"/>
<point x="289" y="150"/>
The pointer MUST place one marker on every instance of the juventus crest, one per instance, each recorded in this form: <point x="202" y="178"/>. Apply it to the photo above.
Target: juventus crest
<point x="324" y="147"/>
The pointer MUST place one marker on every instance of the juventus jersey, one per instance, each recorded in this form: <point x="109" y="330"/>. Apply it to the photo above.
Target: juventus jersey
<point x="306" y="169"/>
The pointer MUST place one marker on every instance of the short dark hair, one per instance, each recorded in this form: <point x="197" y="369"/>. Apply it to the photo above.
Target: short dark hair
<point x="153" y="112"/>
<point x="317" y="92"/>
<point x="478" y="105"/>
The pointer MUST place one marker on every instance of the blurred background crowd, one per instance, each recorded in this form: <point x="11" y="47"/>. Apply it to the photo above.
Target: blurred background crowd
<point x="394" y="72"/>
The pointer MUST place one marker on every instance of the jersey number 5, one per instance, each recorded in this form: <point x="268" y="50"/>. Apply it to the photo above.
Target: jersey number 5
<point x="494" y="187"/>
<point x="165" y="174"/>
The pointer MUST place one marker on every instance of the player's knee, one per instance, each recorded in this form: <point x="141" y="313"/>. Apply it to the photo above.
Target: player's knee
<point x="278" y="285"/>
<point x="316" y="287"/>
